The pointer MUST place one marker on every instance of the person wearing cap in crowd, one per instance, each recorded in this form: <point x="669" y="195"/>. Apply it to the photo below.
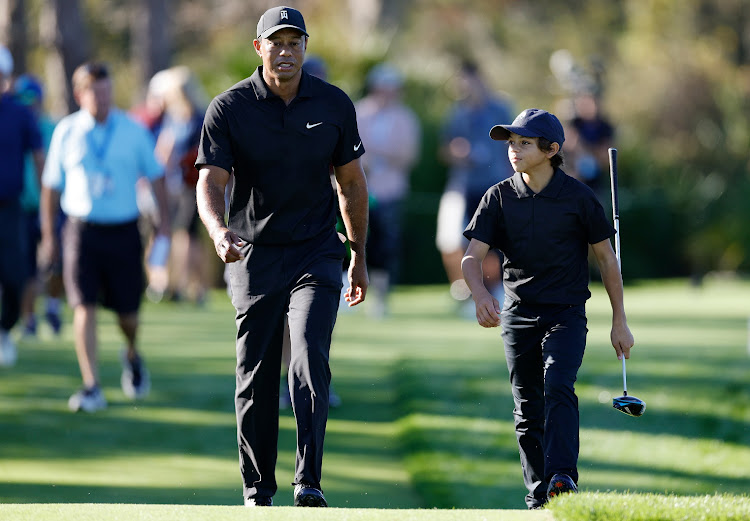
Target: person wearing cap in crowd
<point x="95" y="159"/>
<point x="28" y="90"/>
<point x="543" y="221"/>
<point x="392" y="133"/>
<point x="277" y="133"/>
<point x="19" y="136"/>
<point x="474" y="164"/>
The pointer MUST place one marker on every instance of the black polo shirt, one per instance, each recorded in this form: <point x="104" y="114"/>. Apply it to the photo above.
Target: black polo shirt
<point x="280" y="156"/>
<point x="543" y="236"/>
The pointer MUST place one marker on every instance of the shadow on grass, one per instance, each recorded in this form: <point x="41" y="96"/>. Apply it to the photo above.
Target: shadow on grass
<point x="179" y="445"/>
<point x="477" y="459"/>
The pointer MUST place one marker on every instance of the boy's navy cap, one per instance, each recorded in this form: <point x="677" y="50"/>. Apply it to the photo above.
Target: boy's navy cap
<point x="532" y="123"/>
<point x="278" y="18"/>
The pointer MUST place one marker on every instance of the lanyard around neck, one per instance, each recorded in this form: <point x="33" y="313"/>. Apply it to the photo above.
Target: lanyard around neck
<point x="100" y="149"/>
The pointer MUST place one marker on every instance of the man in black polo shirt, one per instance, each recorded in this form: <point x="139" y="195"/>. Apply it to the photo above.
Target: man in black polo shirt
<point x="543" y="221"/>
<point x="278" y="132"/>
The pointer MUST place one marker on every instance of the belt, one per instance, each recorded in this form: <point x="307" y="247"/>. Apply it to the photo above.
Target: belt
<point x="104" y="226"/>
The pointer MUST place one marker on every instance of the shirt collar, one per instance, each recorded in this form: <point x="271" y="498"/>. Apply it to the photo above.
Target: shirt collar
<point x="263" y="92"/>
<point x="552" y="189"/>
<point x="89" y="120"/>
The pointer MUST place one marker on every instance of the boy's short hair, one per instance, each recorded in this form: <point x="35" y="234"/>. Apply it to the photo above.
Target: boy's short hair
<point x="532" y="123"/>
<point x="88" y="73"/>
<point x="544" y="145"/>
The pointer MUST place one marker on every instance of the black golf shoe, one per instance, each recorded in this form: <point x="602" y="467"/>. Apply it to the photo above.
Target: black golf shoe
<point x="308" y="496"/>
<point x="561" y="484"/>
<point x="259" y="501"/>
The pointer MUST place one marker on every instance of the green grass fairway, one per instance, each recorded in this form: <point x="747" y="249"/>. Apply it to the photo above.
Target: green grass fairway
<point x="426" y="420"/>
<point x="650" y="507"/>
<point x="100" y="512"/>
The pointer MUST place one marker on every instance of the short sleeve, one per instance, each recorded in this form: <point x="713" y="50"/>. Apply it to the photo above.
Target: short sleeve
<point x="487" y="224"/>
<point x="598" y="227"/>
<point x="215" y="146"/>
<point x="451" y="127"/>
<point x="350" y="145"/>
<point x="53" y="175"/>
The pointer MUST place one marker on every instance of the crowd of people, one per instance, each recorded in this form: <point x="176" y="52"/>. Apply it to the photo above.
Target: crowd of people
<point x="106" y="205"/>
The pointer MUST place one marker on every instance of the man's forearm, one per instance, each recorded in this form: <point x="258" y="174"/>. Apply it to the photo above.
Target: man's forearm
<point x="354" y="211"/>
<point x="612" y="281"/>
<point x="49" y="204"/>
<point x="160" y="192"/>
<point x="211" y="207"/>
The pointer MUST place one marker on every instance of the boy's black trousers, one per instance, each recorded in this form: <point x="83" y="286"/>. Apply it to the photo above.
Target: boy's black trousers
<point x="544" y="346"/>
<point x="302" y="281"/>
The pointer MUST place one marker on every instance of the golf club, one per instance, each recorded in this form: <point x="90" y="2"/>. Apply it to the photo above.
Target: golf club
<point x="627" y="404"/>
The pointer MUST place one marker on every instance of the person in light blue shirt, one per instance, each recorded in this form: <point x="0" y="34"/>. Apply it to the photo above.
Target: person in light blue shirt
<point x="95" y="158"/>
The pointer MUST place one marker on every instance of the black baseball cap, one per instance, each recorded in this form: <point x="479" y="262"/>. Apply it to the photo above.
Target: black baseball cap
<point x="532" y="123"/>
<point x="278" y="18"/>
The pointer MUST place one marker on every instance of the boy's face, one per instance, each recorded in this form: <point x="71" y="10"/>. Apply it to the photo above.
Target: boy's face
<point x="526" y="156"/>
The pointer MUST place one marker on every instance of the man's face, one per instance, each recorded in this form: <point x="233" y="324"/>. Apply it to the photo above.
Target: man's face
<point x="282" y="53"/>
<point x="96" y="98"/>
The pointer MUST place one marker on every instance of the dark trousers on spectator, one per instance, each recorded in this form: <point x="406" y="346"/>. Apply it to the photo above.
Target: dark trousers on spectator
<point x="544" y="346"/>
<point x="13" y="262"/>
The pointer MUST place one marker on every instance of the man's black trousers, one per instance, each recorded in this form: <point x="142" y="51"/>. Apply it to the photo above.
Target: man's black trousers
<point x="303" y="282"/>
<point x="544" y="346"/>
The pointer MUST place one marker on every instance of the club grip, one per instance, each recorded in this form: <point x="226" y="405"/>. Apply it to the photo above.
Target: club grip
<point x="615" y="203"/>
<point x="613" y="178"/>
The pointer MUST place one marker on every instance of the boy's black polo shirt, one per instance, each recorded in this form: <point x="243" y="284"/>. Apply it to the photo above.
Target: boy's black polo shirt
<point x="280" y="156"/>
<point x="544" y="237"/>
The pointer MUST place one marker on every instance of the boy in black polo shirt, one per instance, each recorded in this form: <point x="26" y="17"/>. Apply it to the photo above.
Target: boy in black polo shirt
<point x="543" y="221"/>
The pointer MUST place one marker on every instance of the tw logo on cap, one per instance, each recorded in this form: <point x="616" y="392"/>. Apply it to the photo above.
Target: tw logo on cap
<point x="278" y="18"/>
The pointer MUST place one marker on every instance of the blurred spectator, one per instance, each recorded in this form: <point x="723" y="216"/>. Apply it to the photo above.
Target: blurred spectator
<point x="316" y="66"/>
<point x="589" y="136"/>
<point x="95" y="158"/>
<point x="391" y="132"/>
<point x="19" y="135"/>
<point x="151" y="112"/>
<point x="28" y="90"/>
<point x="476" y="163"/>
<point x="184" y="104"/>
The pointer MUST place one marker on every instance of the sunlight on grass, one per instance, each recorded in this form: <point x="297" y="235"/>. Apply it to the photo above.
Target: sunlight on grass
<point x="667" y="455"/>
<point x="426" y="419"/>
<point x="650" y="507"/>
<point x="97" y="512"/>
<point x="186" y="470"/>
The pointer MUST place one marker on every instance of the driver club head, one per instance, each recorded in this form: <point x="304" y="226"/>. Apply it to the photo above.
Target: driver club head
<point x="629" y="405"/>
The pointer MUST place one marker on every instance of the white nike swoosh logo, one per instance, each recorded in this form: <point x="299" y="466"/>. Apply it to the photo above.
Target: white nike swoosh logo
<point x="356" y="147"/>
<point x="313" y="125"/>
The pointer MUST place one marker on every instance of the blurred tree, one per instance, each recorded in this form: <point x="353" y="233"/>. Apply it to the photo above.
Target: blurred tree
<point x="14" y="31"/>
<point x="674" y="74"/>
<point x="151" y="37"/>
<point x="65" y="37"/>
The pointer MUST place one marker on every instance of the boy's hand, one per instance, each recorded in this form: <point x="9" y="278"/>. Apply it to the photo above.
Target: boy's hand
<point x="622" y="340"/>
<point x="488" y="310"/>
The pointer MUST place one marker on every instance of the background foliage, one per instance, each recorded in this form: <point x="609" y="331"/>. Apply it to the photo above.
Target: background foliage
<point x="675" y="80"/>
